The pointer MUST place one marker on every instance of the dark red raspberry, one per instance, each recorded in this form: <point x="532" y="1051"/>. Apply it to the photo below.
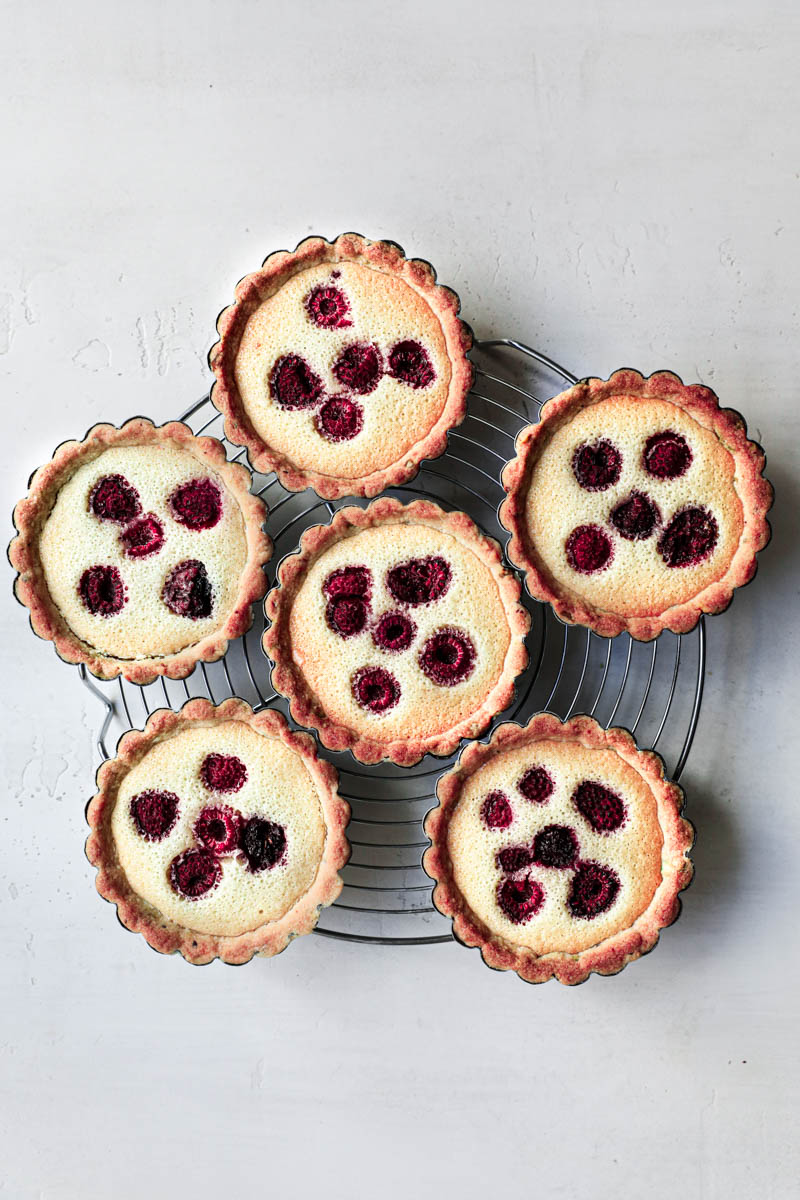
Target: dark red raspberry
<point x="102" y="591"/>
<point x="154" y="814"/>
<point x="594" y="889"/>
<point x="143" y="537"/>
<point x="348" y="581"/>
<point x="667" y="455"/>
<point x="555" y="846"/>
<point x="514" y="858"/>
<point x="496" y="811"/>
<point x="602" y="808"/>
<point x="359" y="367"/>
<point x="394" y="632"/>
<point x="347" y="615"/>
<point x="263" y="843"/>
<point x="292" y="383"/>
<point x="197" y="504"/>
<point x="195" y="873"/>
<point x="536" y="785"/>
<point x="187" y="590"/>
<point x="419" y="581"/>
<point x="597" y="465"/>
<point x="448" y="657"/>
<point x="217" y="828"/>
<point x="410" y="363"/>
<point x="375" y="689"/>
<point x="223" y="773"/>
<point x="340" y="419"/>
<point x="690" y="537"/>
<point x="328" y="307"/>
<point x="589" y="549"/>
<point x="520" y="899"/>
<point x="114" y="499"/>
<point x="636" y="517"/>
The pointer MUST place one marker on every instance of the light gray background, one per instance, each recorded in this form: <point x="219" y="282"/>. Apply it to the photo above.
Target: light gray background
<point x="616" y="183"/>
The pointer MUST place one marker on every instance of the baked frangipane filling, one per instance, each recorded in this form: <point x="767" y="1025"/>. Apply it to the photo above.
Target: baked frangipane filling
<point x="636" y="504"/>
<point x="559" y="849"/>
<point x="216" y="832"/>
<point x="396" y="631"/>
<point x="341" y="365"/>
<point x="144" y="544"/>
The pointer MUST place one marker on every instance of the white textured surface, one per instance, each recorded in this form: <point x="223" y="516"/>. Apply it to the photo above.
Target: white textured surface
<point x="615" y="182"/>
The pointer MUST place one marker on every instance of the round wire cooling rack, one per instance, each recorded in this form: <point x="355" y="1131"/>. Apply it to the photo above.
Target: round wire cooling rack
<point x="654" y="689"/>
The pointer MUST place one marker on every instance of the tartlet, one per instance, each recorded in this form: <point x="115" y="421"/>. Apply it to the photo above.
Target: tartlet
<point x="396" y="631"/>
<point x="341" y="365"/>
<point x="218" y="832"/>
<point x="140" y="550"/>
<point x="558" y="849"/>
<point x="636" y="504"/>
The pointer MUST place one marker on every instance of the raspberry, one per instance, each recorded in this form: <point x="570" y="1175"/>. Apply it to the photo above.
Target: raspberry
<point x="347" y="615"/>
<point x="197" y="504"/>
<point x="496" y="811"/>
<point x="375" y="689"/>
<point x="223" y="773"/>
<point x="143" y="537"/>
<point x="589" y="549"/>
<point x="187" y="590"/>
<point x="636" y="517"/>
<point x="602" y="808"/>
<point x="667" y="455"/>
<point x="263" y="843"/>
<point x="536" y="785"/>
<point x="410" y="363"/>
<point x="594" y="889"/>
<point x="394" y="632"/>
<point x="520" y="899"/>
<point x="154" y="814"/>
<point x="555" y="846"/>
<point x="328" y="307"/>
<point x="690" y="537"/>
<point x="102" y="591"/>
<point x="514" y="858"/>
<point x="419" y="581"/>
<point x="194" y="873"/>
<point x="217" y="829"/>
<point x="359" y="368"/>
<point x="597" y="465"/>
<point x="114" y="499"/>
<point x="292" y="383"/>
<point x="448" y="657"/>
<point x="348" y="581"/>
<point x="340" y="419"/>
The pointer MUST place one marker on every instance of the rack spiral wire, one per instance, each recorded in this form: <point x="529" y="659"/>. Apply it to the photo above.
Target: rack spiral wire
<point x="654" y="689"/>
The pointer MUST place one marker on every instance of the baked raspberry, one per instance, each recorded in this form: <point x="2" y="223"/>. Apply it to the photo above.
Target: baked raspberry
<point x="217" y="829"/>
<point x="328" y="307"/>
<point x="555" y="846"/>
<point x="514" y="858"/>
<point x="636" y="517"/>
<point x="689" y="538"/>
<point x="496" y="811"/>
<point x="448" y="657"/>
<point x="394" y="632"/>
<point x="187" y="590"/>
<point x="667" y="455"/>
<point x="410" y="363"/>
<point x="348" y="581"/>
<point x="197" y="504"/>
<point x="520" y="899"/>
<point x="292" y="383"/>
<point x="347" y="615"/>
<point x="263" y="843"/>
<point x="143" y="537"/>
<point x="114" y="499"/>
<point x="420" y="580"/>
<point x="154" y="814"/>
<point x="102" y="591"/>
<point x="194" y="873"/>
<point x="340" y="419"/>
<point x="594" y="889"/>
<point x="602" y="808"/>
<point x="589" y="549"/>
<point x="223" y="773"/>
<point x="597" y="465"/>
<point x="536" y="785"/>
<point x="375" y="689"/>
<point x="359" y="367"/>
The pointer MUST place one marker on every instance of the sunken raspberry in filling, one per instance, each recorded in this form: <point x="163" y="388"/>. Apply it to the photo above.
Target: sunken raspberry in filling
<point x="263" y="843"/>
<point x="114" y="499"/>
<point x="555" y="846"/>
<point x="102" y="591"/>
<point x="420" y="580"/>
<point x="448" y="657"/>
<point x="602" y="808"/>
<point x="143" y="537"/>
<point x="394" y="632"/>
<point x="593" y="890"/>
<point x="667" y="455"/>
<point x="194" y="873"/>
<point x="340" y="419"/>
<point x="292" y="383"/>
<point x="496" y="811"/>
<point x="328" y="307"/>
<point x="347" y="615"/>
<point x="154" y="814"/>
<point x="348" y="581"/>
<point x="597" y="465"/>
<point x="589" y="549"/>
<point x="410" y="363"/>
<point x="690" y="537"/>
<point x="187" y="590"/>
<point x="636" y="517"/>
<point x="223" y="773"/>
<point x="375" y="689"/>
<point x="359" y="367"/>
<point x="514" y="858"/>
<point x="217" y="829"/>
<point x="520" y="899"/>
<point x="536" y="785"/>
<point x="197" y="504"/>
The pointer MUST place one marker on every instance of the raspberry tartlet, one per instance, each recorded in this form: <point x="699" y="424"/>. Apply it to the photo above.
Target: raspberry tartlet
<point x="396" y="631"/>
<point x="140" y="550"/>
<point x="636" y="504"/>
<point x="558" y="849"/>
<point x="341" y="365"/>
<point x="218" y="832"/>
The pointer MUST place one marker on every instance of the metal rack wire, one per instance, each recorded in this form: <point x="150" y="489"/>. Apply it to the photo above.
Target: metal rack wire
<point x="653" y="689"/>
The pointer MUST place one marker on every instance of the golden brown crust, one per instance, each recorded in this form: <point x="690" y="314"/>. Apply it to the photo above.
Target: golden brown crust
<point x="31" y="514"/>
<point x="275" y="271"/>
<point x="287" y="678"/>
<point x="755" y="494"/>
<point x="613" y="953"/>
<point x="165" y="935"/>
